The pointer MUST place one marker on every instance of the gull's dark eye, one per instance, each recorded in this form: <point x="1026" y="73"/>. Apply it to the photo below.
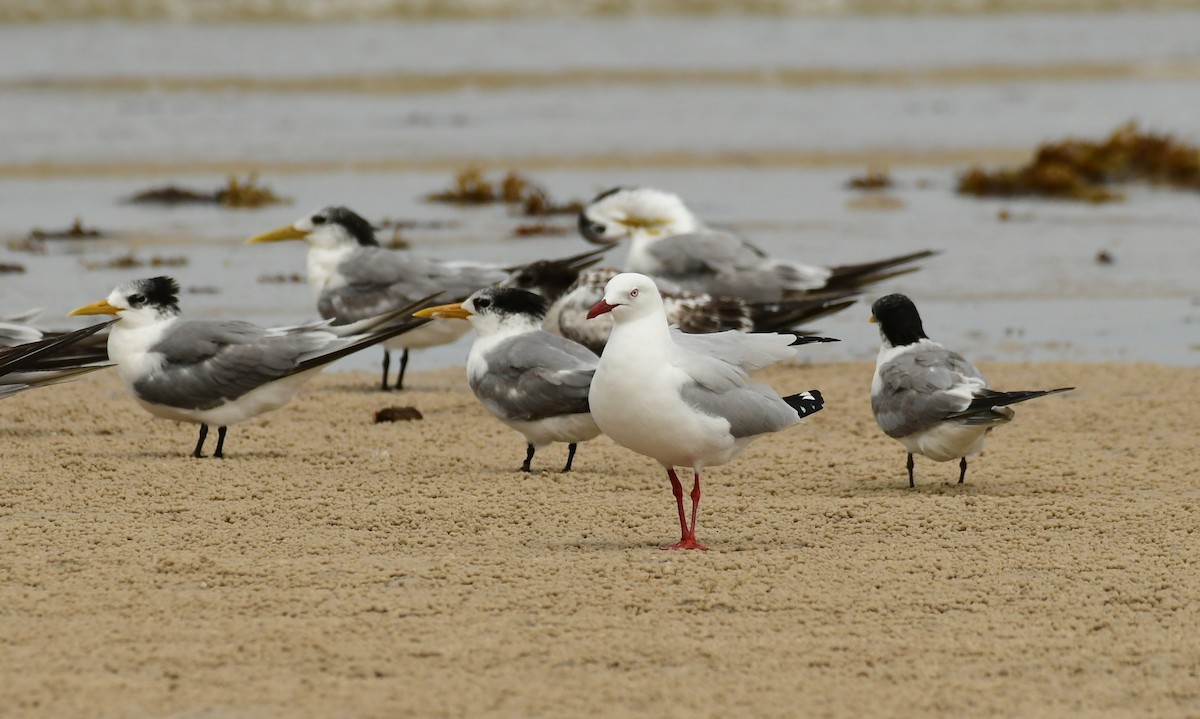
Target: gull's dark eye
<point x="597" y="228"/>
<point x="482" y="303"/>
<point x="135" y="300"/>
<point x="318" y="219"/>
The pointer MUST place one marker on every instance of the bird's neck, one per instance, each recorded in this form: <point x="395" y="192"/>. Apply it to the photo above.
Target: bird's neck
<point x="648" y="336"/>
<point x="323" y="263"/>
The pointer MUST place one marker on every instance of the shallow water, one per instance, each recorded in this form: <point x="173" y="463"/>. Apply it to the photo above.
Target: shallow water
<point x="757" y="122"/>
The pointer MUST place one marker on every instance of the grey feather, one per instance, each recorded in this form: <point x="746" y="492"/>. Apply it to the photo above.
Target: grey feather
<point x="750" y="408"/>
<point x="914" y="394"/>
<point x="207" y="363"/>
<point x="534" y="376"/>
<point x="379" y="280"/>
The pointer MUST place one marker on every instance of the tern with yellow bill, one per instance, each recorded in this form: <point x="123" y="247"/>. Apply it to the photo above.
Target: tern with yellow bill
<point x="220" y="372"/>
<point x="534" y="382"/>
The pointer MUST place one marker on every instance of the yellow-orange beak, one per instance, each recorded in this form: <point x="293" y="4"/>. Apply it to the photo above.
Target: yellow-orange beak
<point x="96" y="308"/>
<point x="287" y="232"/>
<point x="442" y="312"/>
<point x="873" y="320"/>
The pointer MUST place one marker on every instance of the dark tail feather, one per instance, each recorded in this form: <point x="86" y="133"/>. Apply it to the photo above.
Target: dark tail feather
<point x="578" y="262"/>
<point x="810" y="339"/>
<point x="774" y="316"/>
<point x="806" y="403"/>
<point x="989" y="399"/>
<point x="849" y="276"/>
<point x="29" y="356"/>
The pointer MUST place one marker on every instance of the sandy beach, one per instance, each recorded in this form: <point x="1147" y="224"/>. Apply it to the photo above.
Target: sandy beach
<point x="331" y="566"/>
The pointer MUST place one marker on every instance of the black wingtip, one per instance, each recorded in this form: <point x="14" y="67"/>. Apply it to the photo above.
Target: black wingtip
<point x="806" y="403"/>
<point x="811" y="339"/>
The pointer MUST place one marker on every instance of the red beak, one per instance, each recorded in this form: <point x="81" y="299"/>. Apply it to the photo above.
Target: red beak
<point x="600" y="308"/>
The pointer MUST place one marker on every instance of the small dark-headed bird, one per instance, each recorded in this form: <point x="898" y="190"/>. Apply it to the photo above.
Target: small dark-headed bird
<point x="932" y="400"/>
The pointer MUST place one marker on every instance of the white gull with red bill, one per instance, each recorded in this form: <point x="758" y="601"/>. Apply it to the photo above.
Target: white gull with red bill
<point x="685" y="400"/>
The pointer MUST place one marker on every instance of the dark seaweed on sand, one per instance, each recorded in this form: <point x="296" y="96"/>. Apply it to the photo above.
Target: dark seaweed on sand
<point x="235" y="193"/>
<point x="130" y="262"/>
<point x="873" y="179"/>
<point x="1074" y="169"/>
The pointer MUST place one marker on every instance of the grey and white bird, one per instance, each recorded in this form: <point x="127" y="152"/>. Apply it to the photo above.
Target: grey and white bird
<point x="932" y="400"/>
<point x="220" y="372"/>
<point x="50" y="359"/>
<point x="685" y="399"/>
<point x="668" y="242"/>
<point x="690" y="311"/>
<point x="534" y="382"/>
<point x="353" y="278"/>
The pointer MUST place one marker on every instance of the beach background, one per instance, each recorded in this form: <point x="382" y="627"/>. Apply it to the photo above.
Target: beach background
<point x="334" y="566"/>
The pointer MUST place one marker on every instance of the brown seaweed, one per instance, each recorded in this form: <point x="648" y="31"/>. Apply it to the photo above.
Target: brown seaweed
<point x="130" y="261"/>
<point x="1076" y="169"/>
<point x="872" y="179"/>
<point x="471" y="187"/>
<point x="76" y="231"/>
<point x="235" y="194"/>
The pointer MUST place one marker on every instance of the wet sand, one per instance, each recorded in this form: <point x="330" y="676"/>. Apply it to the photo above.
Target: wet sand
<point x="335" y="567"/>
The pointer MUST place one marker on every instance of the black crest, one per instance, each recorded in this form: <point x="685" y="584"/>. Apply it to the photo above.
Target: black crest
<point x="607" y="193"/>
<point x="510" y="301"/>
<point x="898" y="320"/>
<point x="354" y="223"/>
<point x="161" y="292"/>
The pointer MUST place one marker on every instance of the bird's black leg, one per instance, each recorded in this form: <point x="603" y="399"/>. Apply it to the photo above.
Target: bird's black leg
<point x="570" y="455"/>
<point x="529" y="450"/>
<point x="220" y="443"/>
<point x="911" y="484"/>
<point x="403" y="366"/>
<point x="387" y="364"/>
<point x="962" y="470"/>
<point x="200" y="442"/>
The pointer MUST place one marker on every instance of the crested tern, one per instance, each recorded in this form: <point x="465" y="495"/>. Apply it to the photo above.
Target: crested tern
<point x="220" y="372"/>
<point x="353" y="277"/>
<point x="534" y="382"/>
<point x="668" y="242"/>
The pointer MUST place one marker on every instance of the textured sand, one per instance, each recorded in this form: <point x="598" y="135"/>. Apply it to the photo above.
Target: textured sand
<point x="334" y="567"/>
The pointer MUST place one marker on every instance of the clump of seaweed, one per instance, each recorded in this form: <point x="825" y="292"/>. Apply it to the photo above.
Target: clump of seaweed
<point x="76" y="231"/>
<point x="131" y="262"/>
<point x="873" y="179"/>
<point x="1075" y="169"/>
<point x="471" y="187"/>
<point x="236" y="193"/>
<point x="8" y="268"/>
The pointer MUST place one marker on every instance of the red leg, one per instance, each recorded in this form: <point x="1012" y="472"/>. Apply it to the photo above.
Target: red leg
<point x="677" y="490"/>
<point x="688" y="540"/>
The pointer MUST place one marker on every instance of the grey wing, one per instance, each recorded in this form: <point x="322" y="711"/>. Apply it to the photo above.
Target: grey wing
<point x="207" y="363"/>
<point x="921" y="388"/>
<point x="379" y="280"/>
<point x="718" y="263"/>
<point x="750" y="408"/>
<point x="535" y="376"/>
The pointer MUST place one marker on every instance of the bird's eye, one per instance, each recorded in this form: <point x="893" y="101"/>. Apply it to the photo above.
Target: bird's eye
<point x="633" y="292"/>
<point x="318" y="219"/>
<point x="136" y="300"/>
<point x="598" y="229"/>
<point x="482" y="303"/>
<point x="525" y="278"/>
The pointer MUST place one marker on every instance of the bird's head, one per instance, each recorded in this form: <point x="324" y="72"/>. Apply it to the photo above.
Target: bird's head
<point x="898" y="320"/>
<point x="329" y="228"/>
<point x="628" y="296"/>
<point x="139" y="302"/>
<point x="639" y="212"/>
<point x="494" y="309"/>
